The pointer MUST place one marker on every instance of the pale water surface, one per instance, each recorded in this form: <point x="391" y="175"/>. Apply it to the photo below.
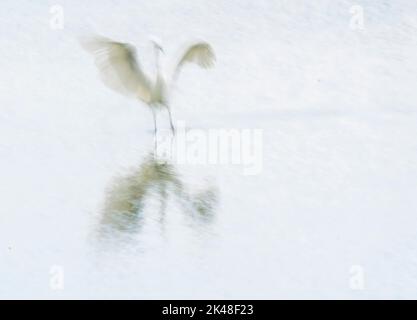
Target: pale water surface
<point x="336" y="197"/>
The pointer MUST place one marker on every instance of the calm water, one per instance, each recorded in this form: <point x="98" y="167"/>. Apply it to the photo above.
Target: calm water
<point x="88" y="211"/>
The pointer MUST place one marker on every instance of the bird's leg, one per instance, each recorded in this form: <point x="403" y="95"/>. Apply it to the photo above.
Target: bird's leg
<point x="170" y="120"/>
<point x="155" y="129"/>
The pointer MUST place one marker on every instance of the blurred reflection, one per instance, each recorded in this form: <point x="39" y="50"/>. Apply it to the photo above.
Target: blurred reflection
<point x="158" y="181"/>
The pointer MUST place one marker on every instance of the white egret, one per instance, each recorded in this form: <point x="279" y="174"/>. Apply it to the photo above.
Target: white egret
<point x="120" y="70"/>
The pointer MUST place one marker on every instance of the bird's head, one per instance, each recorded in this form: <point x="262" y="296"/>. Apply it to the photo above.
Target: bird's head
<point x="156" y="44"/>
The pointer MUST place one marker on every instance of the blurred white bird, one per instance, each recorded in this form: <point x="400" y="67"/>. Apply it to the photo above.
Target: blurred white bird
<point x="120" y="70"/>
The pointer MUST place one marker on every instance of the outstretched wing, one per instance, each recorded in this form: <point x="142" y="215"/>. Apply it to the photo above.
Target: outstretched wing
<point x="200" y="53"/>
<point x="118" y="67"/>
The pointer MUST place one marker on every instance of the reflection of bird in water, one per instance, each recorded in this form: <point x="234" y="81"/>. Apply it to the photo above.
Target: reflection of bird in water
<point x="120" y="70"/>
<point x="125" y="202"/>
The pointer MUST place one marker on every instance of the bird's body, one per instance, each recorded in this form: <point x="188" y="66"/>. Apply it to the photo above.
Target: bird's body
<point x="120" y="70"/>
<point x="159" y="96"/>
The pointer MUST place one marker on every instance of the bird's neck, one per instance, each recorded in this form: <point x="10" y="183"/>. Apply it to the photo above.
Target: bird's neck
<point x="157" y="62"/>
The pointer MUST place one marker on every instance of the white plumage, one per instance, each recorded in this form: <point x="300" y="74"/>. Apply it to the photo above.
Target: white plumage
<point x="120" y="70"/>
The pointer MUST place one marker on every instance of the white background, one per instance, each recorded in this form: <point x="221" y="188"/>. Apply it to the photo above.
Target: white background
<point x="338" y="188"/>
